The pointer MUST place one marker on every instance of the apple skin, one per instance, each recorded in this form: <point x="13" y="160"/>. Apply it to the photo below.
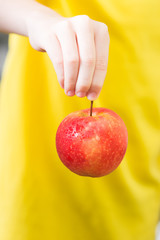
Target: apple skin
<point x="92" y="145"/>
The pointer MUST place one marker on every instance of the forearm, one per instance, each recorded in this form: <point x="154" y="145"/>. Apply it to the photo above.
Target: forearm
<point x="15" y="14"/>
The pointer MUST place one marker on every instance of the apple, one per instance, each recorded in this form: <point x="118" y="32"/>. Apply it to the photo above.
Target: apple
<point x="92" y="144"/>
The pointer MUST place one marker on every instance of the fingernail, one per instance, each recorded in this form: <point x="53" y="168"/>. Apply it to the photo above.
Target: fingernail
<point x="70" y="93"/>
<point x="92" y="96"/>
<point x="81" y="94"/>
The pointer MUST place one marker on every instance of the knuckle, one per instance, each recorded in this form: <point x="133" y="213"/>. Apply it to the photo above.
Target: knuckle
<point x="95" y="88"/>
<point x="65" y="24"/>
<point x="85" y="18"/>
<point x="58" y="63"/>
<point x="72" y="61"/>
<point x="62" y="26"/>
<point x="103" y="30"/>
<point x="89" y="61"/>
<point x="85" y="22"/>
<point x="101" y="64"/>
<point x="70" y="81"/>
<point x="104" y="27"/>
<point x="82" y="88"/>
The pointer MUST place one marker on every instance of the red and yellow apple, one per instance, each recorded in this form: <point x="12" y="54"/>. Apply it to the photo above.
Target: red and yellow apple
<point x="92" y="145"/>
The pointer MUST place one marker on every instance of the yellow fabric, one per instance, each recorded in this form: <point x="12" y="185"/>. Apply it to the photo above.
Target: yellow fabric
<point x="39" y="197"/>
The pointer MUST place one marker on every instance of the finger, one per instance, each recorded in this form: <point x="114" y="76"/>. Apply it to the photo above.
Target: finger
<point x="86" y="48"/>
<point x="102" y="50"/>
<point x="68" y="42"/>
<point x="54" y="51"/>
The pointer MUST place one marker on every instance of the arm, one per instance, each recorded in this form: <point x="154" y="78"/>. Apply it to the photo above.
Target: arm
<point x="14" y="15"/>
<point x="77" y="46"/>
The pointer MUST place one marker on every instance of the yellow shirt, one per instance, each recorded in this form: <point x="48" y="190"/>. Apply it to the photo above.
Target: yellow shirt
<point x="40" y="199"/>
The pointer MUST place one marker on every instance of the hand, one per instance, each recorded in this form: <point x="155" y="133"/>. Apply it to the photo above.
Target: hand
<point x="78" y="48"/>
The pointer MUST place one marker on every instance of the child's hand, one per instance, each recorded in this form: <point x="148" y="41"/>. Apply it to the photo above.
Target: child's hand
<point x="78" y="48"/>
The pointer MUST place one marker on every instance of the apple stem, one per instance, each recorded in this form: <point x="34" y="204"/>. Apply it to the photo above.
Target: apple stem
<point x="91" y="108"/>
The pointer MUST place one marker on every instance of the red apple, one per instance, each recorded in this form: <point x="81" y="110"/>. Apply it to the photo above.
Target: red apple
<point x="92" y="145"/>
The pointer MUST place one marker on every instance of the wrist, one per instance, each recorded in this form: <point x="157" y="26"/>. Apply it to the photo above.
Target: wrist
<point x="39" y="22"/>
<point x="40" y="15"/>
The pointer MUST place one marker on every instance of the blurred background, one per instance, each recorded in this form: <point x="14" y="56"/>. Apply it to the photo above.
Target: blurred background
<point x="3" y="53"/>
<point x="3" y="50"/>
